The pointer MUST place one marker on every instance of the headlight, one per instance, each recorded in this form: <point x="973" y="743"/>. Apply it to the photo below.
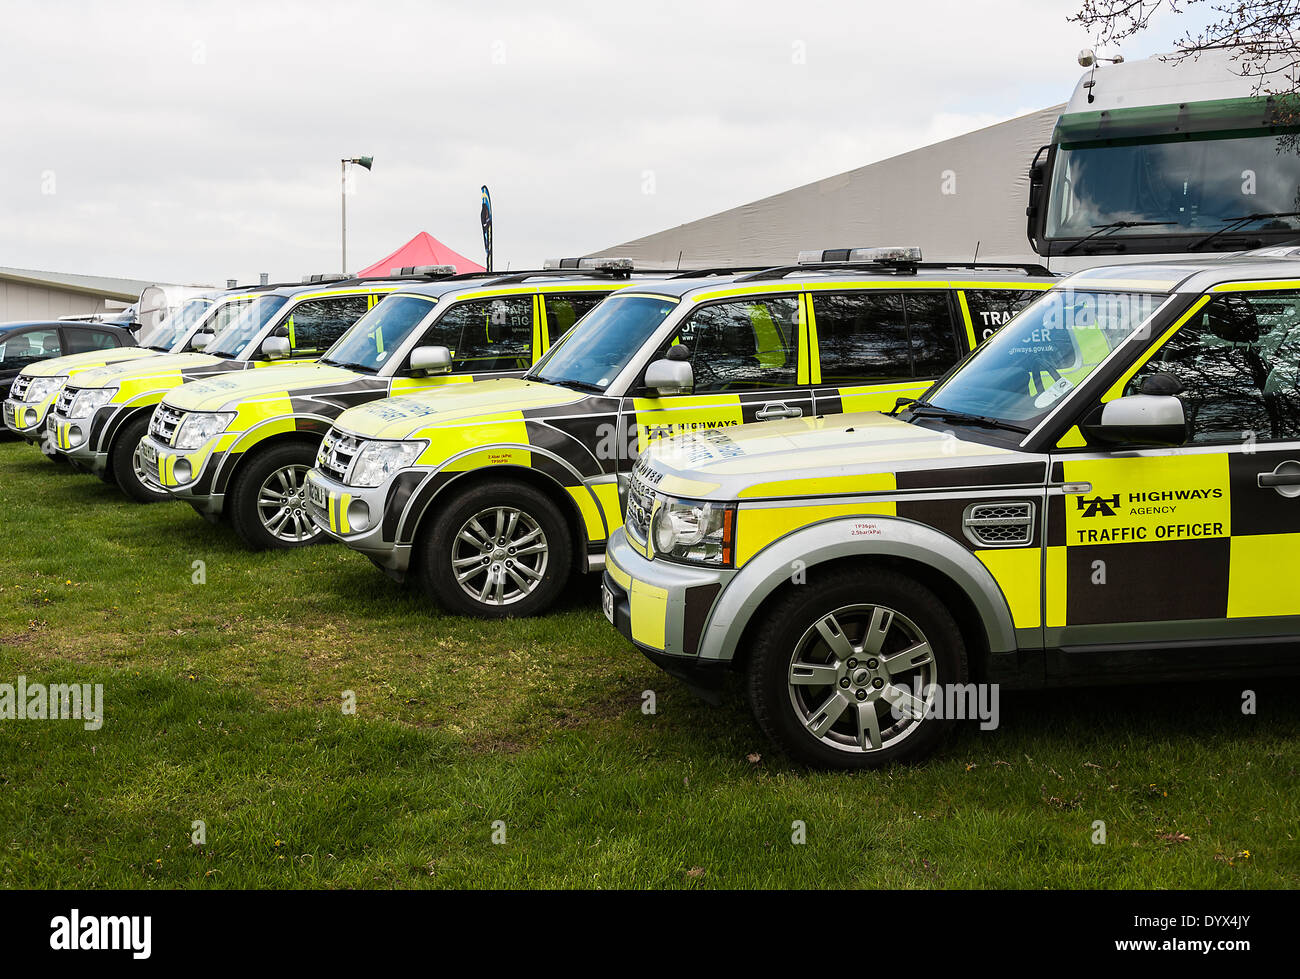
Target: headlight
<point x="687" y="530"/>
<point x="87" y="400"/>
<point x="199" y="426"/>
<point x="41" y="388"/>
<point x="379" y="460"/>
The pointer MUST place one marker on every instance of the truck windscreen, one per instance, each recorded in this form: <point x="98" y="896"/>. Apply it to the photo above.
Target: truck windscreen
<point x="1175" y="186"/>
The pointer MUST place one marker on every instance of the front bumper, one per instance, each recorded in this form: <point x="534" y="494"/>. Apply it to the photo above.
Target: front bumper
<point x="335" y="508"/>
<point x="75" y="439"/>
<point x="186" y="475"/>
<point x="27" y="418"/>
<point x="660" y="605"/>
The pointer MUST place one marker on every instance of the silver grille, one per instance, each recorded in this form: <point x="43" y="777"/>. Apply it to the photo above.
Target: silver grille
<point x="1000" y="524"/>
<point x="64" y="405"/>
<point x="164" y="423"/>
<point x="641" y="500"/>
<point x="336" y="454"/>
<point x="19" y="389"/>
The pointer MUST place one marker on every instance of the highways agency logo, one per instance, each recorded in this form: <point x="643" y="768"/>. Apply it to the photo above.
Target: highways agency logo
<point x="1106" y="506"/>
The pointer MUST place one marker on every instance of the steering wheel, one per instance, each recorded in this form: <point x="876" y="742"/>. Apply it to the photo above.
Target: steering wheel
<point x="1037" y="367"/>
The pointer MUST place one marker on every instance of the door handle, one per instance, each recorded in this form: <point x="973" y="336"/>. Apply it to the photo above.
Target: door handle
<point x="1285" y="479"/>
<point x="1279" y="479"/>
<point x="777" y="409"/>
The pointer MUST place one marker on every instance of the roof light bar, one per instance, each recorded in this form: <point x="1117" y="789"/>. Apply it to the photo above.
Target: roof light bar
<point x="594" y="264"/>
<point x="423" y="270"/>
<point x="324" y="277"/>
<point x="881" y="253"/>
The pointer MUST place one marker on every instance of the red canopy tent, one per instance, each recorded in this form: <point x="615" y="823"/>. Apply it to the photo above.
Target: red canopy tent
<point x="423" y="249"/>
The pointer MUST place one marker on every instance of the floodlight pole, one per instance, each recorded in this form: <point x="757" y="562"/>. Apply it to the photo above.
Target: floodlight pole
<point x="367" y="162"/>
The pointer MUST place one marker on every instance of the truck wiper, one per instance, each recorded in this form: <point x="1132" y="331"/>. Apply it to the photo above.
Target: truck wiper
<point x="1236" y="224"/>
<point x="1114" y="226"/>
<point x="923" y="409"/>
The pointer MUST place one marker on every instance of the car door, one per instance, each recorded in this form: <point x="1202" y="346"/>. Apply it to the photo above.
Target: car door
<point x="874" y="346"/>
<point x="490" y="336"/>
<point x="748" y="364"/>
<point x="1199" y="542"/>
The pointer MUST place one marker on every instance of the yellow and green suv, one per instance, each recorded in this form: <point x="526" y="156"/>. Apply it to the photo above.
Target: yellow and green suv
<point x="241" y="444"/>
<point x="492" y="493"/>
<point x="98" y="420"/>
<point x="1107" y="490"/>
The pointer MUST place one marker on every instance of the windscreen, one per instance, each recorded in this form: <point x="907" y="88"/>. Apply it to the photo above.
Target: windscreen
<point x="170" y="331"/>
<point x="1052" y="347"/>
<point x="370" y="341"/>
<point x="234" y="337"/>
<point x="1184" y="186"/>
<point x="604" y="341"/>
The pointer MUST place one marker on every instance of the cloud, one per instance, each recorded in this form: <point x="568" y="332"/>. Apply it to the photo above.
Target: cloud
<point x="201" y="143"/>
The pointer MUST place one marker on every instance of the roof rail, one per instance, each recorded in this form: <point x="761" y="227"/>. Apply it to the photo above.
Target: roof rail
<point x="889" y="267"/>
<point x="619" y="273"/>
<point x="718" y="270"/>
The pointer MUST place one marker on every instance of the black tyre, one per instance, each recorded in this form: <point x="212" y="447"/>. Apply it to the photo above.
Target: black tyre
<point x="124" y="463"/>
<point x="267" y="504"/>
<point x="495" y="550"/>
<point x="842" y="667"/>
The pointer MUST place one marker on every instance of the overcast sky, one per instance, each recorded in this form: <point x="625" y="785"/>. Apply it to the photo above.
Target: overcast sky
<point x="197" y="142"/>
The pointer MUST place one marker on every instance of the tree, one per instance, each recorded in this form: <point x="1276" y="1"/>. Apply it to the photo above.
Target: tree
<point x="1261" y="34"/>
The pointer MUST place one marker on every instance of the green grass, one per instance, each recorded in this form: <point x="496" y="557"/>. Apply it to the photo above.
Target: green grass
<point x="223" y="704"/>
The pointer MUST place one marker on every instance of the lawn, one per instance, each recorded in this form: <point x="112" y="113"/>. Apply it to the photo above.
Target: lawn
<point x="517" y="753"/>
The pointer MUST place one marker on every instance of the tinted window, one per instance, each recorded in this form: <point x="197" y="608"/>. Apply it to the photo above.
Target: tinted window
<point x="486" y="334"/>
<point x="869" y="337"/>
<point x="741" y="345"/>
<point x="929" y="328"/>
<point x="315" y="325"/>
<point x="19" y="350"/>
<point x="562" y="311"/>
<point x="1238" y="362"/>
<point x="991" y="308"/>
<point x="80" y="341"/>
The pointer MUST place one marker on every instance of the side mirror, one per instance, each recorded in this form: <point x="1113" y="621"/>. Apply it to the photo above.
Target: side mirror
<point x="670" y="376"/>
<point x="431" y="360"/>
<point x="1138" y="421"/>
<point x="201" y="340"/>
<point x="275" y="348"/>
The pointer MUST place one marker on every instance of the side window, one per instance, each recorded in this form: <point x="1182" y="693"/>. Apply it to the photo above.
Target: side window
<point x="873" y="337"/>
<point x="79" y="341"/>
<point x="563" y="310"/>
<point x="930" y="332"/>
<point x="316" y="324"/>
<point x="738" y="346"/>
<point x="1238" y="362"/>
<point x="990" y="309"/>
<point x="19" y="350"/>
<point x="487" y="334"/>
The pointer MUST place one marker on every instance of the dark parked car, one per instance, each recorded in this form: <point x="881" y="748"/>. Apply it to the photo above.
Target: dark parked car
<point x="22" y="344"/>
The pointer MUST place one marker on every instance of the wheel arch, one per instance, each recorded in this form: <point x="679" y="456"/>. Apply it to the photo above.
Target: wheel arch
<point x="548" y="485"/>
<point x="932" y="558"/>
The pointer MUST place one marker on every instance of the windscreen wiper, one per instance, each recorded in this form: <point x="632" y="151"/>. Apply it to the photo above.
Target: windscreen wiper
<point x="567" y="382"/>
<point x="1113" y="226"/>
<point x="923" y="409"/>
<point x="1236" y="224"/>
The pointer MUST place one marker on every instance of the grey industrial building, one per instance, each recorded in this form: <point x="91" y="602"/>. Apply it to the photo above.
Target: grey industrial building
<point x="28" y="294"/>
<point x="957" y="198"/>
